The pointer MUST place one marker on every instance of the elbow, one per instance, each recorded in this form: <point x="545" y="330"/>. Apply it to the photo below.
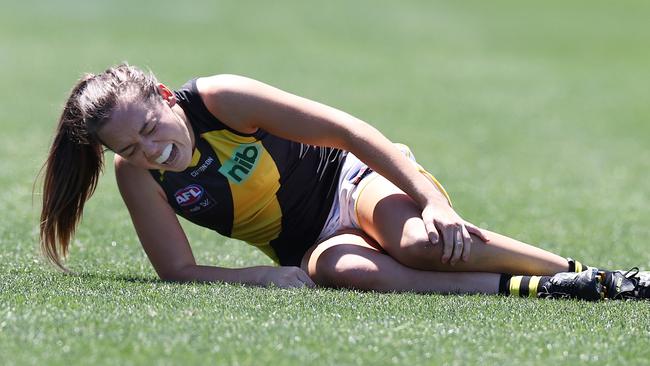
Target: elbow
<point x="169" y="277"/>
<point x="349" y="135"/>
<point x="181" y="274"/>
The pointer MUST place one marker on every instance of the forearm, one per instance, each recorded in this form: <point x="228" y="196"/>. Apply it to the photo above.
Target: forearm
<point x="198" y="273"/>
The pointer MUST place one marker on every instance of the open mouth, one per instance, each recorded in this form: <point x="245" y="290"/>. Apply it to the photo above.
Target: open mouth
<point x="168" y="155"/>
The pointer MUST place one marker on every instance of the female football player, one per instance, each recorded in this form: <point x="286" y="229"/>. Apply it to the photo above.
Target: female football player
<point x="322" y="193"/>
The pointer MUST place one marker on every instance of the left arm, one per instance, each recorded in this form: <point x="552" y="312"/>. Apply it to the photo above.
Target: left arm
<point x="246" y="105"/>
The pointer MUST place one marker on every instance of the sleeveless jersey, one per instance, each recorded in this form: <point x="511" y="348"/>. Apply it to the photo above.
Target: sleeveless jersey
<point x="271" y="192"/>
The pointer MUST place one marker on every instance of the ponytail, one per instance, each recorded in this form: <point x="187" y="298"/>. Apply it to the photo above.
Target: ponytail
<point x="72" y="170"/>
<point x="76" y="160"/>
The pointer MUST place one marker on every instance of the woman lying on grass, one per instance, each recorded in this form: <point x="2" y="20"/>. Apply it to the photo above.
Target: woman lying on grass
<point x="324" y="194"/>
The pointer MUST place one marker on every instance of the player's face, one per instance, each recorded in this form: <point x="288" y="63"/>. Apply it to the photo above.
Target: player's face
<point x="150" y="135"/>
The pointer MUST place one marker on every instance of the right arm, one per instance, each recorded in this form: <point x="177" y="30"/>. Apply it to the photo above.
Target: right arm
<point x="167" y="247"/>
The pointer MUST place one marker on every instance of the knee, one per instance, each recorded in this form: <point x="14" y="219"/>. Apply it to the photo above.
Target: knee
<point x="339" y="266"/>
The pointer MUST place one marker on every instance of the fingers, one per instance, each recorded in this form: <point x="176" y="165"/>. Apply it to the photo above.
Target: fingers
<point x="453" y="232"/>
<point x="457" y="244"/>
<point x="473" y="229"/>
<point x="296" y="277"/>
<point x="467" y="243"/>
<point x="305" y="279"/>
<point x="449" y="242"/>
<point x="432" y="232"/>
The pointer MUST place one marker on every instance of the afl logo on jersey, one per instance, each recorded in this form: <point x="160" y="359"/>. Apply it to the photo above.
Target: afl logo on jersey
<point x="189" y="195"/>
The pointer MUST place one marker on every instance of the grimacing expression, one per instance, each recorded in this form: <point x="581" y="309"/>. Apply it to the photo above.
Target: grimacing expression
<point x="151" y="135"/>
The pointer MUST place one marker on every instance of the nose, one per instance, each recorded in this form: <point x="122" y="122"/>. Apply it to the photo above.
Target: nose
<point x="151" y="149"/>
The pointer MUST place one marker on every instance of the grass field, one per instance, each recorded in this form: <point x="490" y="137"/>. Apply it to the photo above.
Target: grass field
<point x="534" y="116"/>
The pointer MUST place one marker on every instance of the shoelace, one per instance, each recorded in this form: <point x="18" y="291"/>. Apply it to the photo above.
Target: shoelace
<point x="636" y="272"/>
<point x="640" y="292"/>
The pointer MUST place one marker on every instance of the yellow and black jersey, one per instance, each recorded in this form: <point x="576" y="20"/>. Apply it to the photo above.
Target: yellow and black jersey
<point x="271" y="192"/>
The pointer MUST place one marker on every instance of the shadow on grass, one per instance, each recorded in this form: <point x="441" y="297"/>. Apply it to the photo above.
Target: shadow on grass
<point x="114" y="277"/>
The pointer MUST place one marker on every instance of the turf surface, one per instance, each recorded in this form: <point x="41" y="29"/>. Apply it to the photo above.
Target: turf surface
<point x="533" y="116"/>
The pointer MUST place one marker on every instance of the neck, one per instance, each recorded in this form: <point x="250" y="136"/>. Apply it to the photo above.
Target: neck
<point x="183" y="117"/>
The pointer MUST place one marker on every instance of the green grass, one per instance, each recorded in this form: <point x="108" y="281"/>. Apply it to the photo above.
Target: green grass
<point x="534" y="116"/>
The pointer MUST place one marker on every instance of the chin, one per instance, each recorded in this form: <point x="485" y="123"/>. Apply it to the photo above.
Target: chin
<point x="182" y="165"/>
<point x="181" y="162"/>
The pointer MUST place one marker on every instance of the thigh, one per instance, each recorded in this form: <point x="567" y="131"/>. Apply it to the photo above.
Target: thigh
<point x="394" y="221"/>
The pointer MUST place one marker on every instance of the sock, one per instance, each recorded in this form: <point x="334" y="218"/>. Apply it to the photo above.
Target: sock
<point x="522" y="286"/>
<point x="576" y="266"/>
<point x="504" y="283"/>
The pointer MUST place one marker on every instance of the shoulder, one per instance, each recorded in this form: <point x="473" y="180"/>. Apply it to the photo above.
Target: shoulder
<point x="224" y="84"/>
<point x="224" y="91"/>
<point x="237" y="100"/>
<point x="124" y="170"/>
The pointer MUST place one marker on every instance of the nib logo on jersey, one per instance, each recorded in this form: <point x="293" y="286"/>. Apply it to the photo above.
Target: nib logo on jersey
<point x="193" y="199"/>
<point x="242" y="163"/>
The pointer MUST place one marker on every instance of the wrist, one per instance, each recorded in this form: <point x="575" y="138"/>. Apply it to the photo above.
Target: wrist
<point x="438" y="200"/>
<point x="258" y="275"/>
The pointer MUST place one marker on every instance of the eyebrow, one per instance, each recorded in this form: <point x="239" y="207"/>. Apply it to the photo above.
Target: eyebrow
<point x="144" y="127"/>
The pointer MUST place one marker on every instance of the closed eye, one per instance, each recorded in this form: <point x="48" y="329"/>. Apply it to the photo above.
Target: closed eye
<point x="152" y="129"/>
<point x="131" y="153"/>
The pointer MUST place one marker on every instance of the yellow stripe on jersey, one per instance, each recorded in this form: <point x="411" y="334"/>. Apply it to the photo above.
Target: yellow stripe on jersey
<point x="196" y="156"/>
<point x="254" y="180"/>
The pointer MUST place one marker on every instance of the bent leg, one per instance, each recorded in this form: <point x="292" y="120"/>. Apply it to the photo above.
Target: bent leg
<point x="394" y="220"/>
<point x="354" y="260"/>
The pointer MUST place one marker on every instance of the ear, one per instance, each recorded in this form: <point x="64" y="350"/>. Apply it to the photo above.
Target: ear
<point x="167" y="95"/>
